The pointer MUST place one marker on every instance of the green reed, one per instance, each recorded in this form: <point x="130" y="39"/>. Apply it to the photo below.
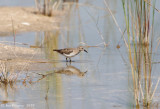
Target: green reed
<point x="139" y="19"/>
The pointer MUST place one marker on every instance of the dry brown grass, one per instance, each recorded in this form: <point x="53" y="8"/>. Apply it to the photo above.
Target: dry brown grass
<point x="17" y="61"/>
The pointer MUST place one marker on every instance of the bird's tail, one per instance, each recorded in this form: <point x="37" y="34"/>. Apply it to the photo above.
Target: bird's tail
<point x="55" y="50"/>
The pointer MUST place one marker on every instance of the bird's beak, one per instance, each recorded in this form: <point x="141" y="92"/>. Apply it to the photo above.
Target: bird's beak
<point x="85" y="51"/>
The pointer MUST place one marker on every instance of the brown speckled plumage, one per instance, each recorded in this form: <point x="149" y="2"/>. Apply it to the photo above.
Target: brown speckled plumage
<point x="70" y="52"/>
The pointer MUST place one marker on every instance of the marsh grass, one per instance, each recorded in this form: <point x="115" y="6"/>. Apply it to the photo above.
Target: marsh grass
<point x="46" y="7"/>
<point x="11" y="73"/>
<point x="139" y="19"/>
<point x="17" y="63"/>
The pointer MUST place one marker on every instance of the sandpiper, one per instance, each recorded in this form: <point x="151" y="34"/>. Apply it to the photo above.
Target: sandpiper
<point x="70" y="52"/>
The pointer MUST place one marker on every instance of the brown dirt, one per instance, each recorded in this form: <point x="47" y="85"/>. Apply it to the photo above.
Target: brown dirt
<point x="25" y="19"/>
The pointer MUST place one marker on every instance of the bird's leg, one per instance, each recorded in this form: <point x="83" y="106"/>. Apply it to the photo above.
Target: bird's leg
<point x="70" y="60"/>
<point x="68" y="64"/>
<point x="66" y="60"/>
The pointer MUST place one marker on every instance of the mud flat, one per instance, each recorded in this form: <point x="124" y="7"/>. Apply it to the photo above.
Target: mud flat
<point x="20" y="19"/>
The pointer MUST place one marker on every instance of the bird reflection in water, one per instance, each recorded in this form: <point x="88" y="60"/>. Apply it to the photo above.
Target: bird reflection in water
<point x="71" y="70"/>
<point x="70" y="0"/>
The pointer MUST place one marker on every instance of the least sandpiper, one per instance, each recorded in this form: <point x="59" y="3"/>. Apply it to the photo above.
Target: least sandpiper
<point x="70" y="52"/>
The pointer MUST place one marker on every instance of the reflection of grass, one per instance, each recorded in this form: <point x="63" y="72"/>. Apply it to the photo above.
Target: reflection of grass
<point x="8" y="87"/>
<point x="50" y="43"/>
<point x="139" y="24"/>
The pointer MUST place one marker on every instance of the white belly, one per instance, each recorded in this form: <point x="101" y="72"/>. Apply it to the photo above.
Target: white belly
<point x="70" y="55"/>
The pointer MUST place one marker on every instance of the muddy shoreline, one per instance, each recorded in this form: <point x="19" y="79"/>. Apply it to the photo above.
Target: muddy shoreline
<point x="25" y="19"/>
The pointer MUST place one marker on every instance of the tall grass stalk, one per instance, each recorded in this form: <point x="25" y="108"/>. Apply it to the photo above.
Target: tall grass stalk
<point x="97" y="28"/>
<point x="114" y="19"/>
<point x="13" y="30"/>
<point x="139" y="24"/>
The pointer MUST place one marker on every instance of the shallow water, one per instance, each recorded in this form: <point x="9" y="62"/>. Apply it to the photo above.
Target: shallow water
<point x="102" y="79"/>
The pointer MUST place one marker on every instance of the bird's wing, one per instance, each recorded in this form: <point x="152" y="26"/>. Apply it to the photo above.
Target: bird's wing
<point x="66" y="51"/>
